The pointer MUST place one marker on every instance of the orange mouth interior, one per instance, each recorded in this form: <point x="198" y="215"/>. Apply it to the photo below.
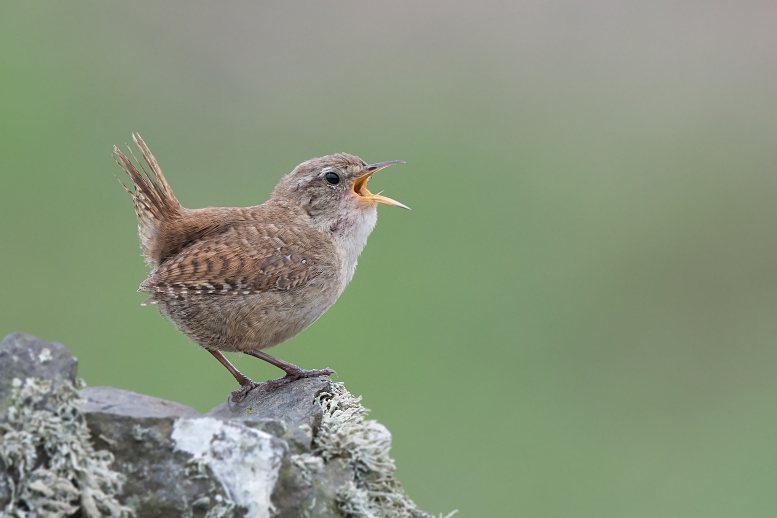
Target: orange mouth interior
<point x="360" y="186"/>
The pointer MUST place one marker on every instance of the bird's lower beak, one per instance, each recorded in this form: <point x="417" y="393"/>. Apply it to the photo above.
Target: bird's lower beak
<point x="360" y="185"/>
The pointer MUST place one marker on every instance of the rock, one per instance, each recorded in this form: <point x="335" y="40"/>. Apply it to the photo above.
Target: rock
<point x="181" y="463"/>
<point x="48" y="464"/>
<point x="289" y="412"/>
<point x="138" y="431"/>
<point x="130" y="405"/>
<point x="25" y="356"/>
<point x="303" y="449"/>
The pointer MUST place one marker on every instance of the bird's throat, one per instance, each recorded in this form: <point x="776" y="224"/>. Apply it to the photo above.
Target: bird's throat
<point x="350" y="230"/>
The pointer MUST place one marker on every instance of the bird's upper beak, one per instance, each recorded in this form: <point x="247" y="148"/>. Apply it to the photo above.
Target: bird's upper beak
<point x="360" y="185"/>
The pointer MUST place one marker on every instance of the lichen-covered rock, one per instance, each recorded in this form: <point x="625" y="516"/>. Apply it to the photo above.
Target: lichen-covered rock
<point x="25" y="356"/>
<point x="363" y="446"/>
<point x="303" y="449"/>
<point x="161" y="480"/>
<point x="48" y="465"/>
<point x="243" y="460"/>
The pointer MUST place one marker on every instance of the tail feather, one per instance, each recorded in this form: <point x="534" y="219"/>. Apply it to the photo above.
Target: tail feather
<point x="155" y="204"/>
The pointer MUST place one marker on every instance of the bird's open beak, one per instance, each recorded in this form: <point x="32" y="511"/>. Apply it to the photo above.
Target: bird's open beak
<point x="360" y="185"/>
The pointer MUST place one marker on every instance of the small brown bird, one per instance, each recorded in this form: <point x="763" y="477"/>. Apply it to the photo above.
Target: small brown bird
<point x="246" y="279"/>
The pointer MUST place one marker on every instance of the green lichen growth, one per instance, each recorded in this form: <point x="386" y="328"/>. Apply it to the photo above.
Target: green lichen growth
<point x="364" y="445"/>
<point x="51" y="469"/>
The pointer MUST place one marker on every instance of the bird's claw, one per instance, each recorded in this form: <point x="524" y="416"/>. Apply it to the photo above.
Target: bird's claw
<point x="240" y="394"/>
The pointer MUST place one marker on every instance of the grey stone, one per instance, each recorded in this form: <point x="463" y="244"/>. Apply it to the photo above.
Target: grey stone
<point x="289" y="412"/>
<point x="118" y="402"/>
<point x="137" y="429"/>
<point x="309" y="486"/>
<point x="174" y="458"/>
<point x="25" y="356"/>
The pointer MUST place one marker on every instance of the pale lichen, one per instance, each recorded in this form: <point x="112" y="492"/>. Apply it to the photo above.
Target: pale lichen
<point x="364" y="445"/>
<point x="245" y="461"/>
<point x="51" y="468"/>
<point x="308" y="466"/>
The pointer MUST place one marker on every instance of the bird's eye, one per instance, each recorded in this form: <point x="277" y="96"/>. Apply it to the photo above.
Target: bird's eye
<point x="332" y="178"/>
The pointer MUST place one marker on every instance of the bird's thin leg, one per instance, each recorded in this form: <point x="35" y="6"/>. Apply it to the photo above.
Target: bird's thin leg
<point x="292" y="371"/>
<point x="243" y="380"/>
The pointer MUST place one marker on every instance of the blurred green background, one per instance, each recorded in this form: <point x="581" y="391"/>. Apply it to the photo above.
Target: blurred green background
<point x="578" y="316"/>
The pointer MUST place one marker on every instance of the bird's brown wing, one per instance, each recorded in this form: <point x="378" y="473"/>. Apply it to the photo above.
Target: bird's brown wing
<point x="244" y="260"/>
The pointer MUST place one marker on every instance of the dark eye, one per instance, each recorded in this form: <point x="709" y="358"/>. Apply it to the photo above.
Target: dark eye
<point x="332" y="178"/>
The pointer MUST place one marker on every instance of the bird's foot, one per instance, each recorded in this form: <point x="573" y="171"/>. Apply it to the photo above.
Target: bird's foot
<point x="240" y="394"/>
<point x="294" y="375"/>
<point x="268" y="386"/>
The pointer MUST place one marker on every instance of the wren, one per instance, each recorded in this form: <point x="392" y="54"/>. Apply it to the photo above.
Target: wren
<point x="244" y="279"/>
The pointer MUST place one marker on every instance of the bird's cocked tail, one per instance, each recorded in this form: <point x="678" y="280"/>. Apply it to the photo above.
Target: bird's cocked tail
<point x="156" y="206"/>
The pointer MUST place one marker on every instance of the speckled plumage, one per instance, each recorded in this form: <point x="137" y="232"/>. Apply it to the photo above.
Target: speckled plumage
<point x="246" y="279"/>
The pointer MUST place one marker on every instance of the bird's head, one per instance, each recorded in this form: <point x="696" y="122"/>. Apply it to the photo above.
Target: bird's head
<point x="334" y="188"/>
